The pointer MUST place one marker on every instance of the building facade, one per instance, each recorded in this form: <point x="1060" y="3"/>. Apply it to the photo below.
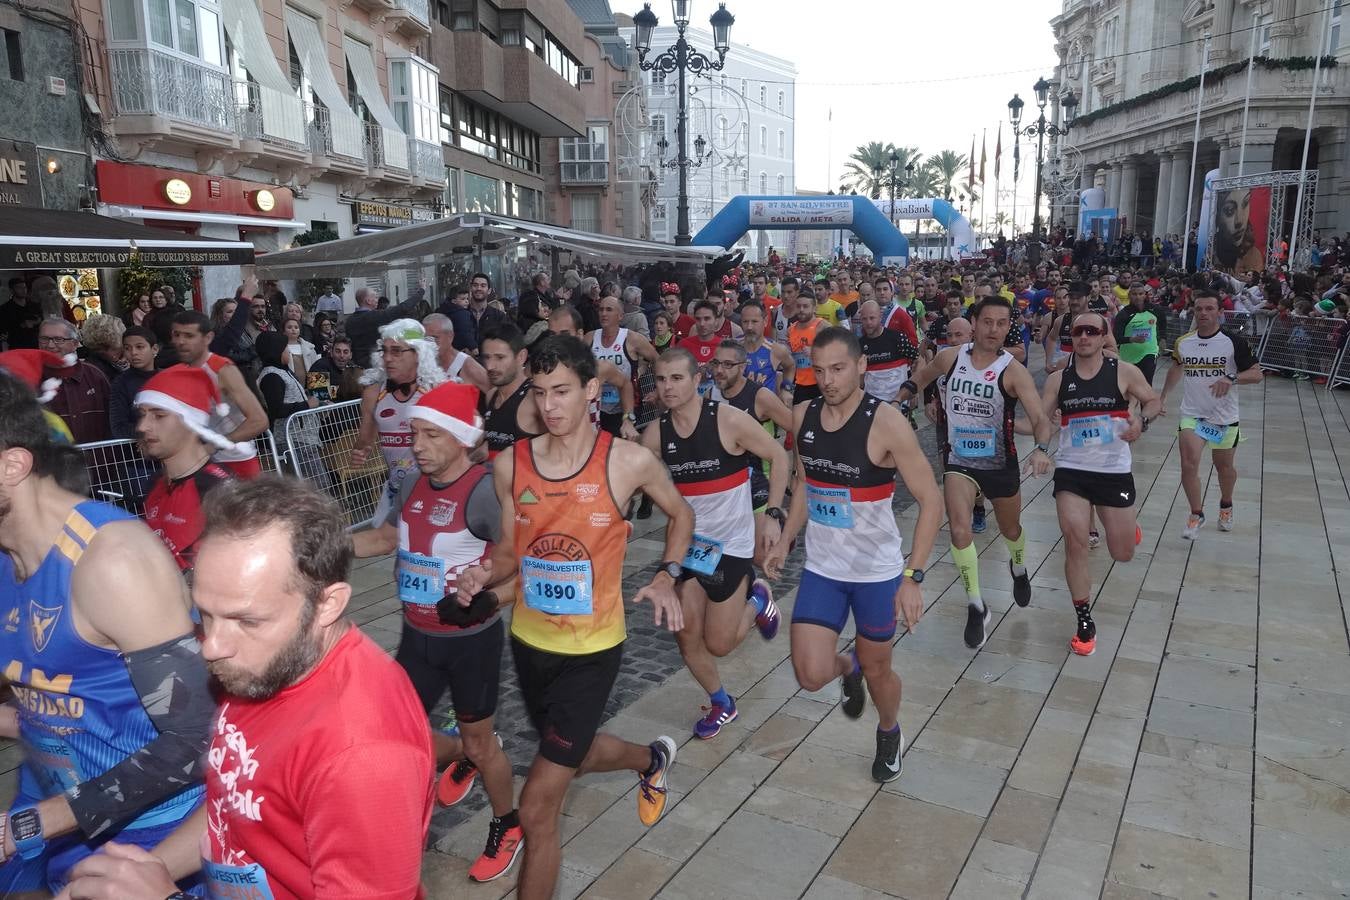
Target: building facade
<point x="264" y="119"/>
<point x="43" y="156"/>
<point x="595" y="182"/>
<point x="746" y="113"/>
<point x="1129" y="64"/>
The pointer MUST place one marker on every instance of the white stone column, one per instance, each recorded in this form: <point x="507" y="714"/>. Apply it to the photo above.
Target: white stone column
<point x="1176" y="203"/>
<point x="1228" y="157"/>
<point x="1163" y="195"/>
<point x="1285" y="27"/>
<point x="1220" y="48"/>
<point x="1113" y="177"/>
<point x="1129" y="190"/>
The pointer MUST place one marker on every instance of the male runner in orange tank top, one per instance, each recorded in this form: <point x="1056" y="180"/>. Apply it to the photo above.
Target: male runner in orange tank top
<point x="563" y="495"/>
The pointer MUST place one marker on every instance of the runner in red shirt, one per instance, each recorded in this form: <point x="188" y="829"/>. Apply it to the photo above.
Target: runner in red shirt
<point x="703" y="343"/>
<point x="176" y="407"/>
<point x="244" y="418"/>
<point x="671" y="300"/>
<point x="319" y="771"/>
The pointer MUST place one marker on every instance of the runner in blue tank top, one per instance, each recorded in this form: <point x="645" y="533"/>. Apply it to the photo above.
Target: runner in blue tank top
<point x="767" y="364"/>
<point x="111" y="698"/>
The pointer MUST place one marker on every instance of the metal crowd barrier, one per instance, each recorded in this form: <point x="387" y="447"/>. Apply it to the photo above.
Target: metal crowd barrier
<point x="120" y="475"/>
<point x="319" y="445"/>
<point x="1303" y="345"/>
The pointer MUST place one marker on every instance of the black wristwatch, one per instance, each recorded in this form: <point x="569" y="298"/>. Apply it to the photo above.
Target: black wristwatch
<point x="914" y="575"/>
<point x="776" y="513"/>
<point x="180" y="895"/>
<point x="671" y="568"/>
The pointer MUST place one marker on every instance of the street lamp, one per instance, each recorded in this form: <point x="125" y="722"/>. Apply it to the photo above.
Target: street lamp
<point x="1039" y="129"/>
<point x="683" y="59"/>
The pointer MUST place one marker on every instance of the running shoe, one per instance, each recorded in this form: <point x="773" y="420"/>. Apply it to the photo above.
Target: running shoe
<point x="890" y="747"/>
<point x="503" y="846"/>
<point x="1084" y="641"/>
<point x="977" y="519"/>
<point x="977" y="622"/>
<point x="1226" y="518"/>
<point x="855" y="693"/>
<point x="457" y="780"/>
<point x="1193" y="525"/>
<point x="767" y="621"/>
<point x="1094" y="540"/>
<point x="1021" y="586"/>
<point x="711" y="724"/>
<point x="652" y="785"/>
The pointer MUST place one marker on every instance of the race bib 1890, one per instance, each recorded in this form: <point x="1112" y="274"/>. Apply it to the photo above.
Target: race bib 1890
<point x="973" y="441"/>
<point x="557" y="587"/>
<point x="703" y="556"/>
<point x="829" y="506"/>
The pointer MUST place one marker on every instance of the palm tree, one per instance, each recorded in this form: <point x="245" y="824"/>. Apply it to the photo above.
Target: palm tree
<point x="949" y="170"/>
<point x="1001" y="220"/>
<point x="860" y="173"/>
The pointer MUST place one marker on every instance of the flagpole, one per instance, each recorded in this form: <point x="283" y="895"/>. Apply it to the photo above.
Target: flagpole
<point x="1307" y="132"/>
<point x="1195" y="152"/>
<point x="984" y="138"/>
<point x="1017" y="159"/>
<point x="1247" y="101"/>
<point x="998" y="163"/>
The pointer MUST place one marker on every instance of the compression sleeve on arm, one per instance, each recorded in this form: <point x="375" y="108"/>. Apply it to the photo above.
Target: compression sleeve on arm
<point x="172" y="683"/>
<point x="484" y="511"/>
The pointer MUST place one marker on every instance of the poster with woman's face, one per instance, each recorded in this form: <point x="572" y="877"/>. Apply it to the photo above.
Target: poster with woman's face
<point x="1241" y="223"/>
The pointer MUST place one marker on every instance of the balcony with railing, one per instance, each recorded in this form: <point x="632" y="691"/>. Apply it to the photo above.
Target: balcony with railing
<point x="271" y="118"/>
<point x="336" y="142"/>
<point x="426" y="162"/>
<point x="386" y="151"/>
<point x="158" y="94"/>
<point x="412" y="18"/>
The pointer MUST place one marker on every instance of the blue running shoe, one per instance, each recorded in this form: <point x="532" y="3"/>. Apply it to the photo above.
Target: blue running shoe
<point x="977" y="523"/>
<point x="711" y="724"/>
<point x="769" y="618"/>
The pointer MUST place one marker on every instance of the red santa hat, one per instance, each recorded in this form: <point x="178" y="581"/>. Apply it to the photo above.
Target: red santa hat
<point x="454" y="408"/>
<point x="191" y="394"/>
<point x="28" y="365"/>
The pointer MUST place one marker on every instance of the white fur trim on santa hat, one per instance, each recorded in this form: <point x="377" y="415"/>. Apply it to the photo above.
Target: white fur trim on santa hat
<point x="47" y="390"/>
<point x="195" y="419"/>
<point x="466" y="433"/>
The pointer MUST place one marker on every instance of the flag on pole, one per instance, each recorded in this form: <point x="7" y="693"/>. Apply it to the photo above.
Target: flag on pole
<point x="998" y="150"/>
<point x="970" y="178"/>
<point x="1017" y="157"/>
<point x="984" y="143"/>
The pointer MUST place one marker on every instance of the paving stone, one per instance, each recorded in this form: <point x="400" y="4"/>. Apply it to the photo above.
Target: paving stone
<point x="923" y="861"/>
<point x="753" y="857"/>
<point x="1177" y="866"/>
<point x="949" y="781"/>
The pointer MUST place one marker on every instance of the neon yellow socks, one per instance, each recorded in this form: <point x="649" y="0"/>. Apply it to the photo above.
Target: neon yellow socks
<point x="967" y="561"/>
<point x="1017" y="552"/>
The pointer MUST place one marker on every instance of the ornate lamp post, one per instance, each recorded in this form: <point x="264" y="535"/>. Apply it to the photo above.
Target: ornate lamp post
<point x="682" y="59"/>
<point x="1039" y="129"/>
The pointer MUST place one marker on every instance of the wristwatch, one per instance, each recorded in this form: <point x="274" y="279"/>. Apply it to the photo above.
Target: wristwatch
<point x="671" y="568"/>
<point x="914" y="575"/>
<point x="1232" y="378"/>
<point x="26" y="829"/>
<point x="775" y="513"/>
<point x="631" y="416"/>
<point x="1041" y="447"/>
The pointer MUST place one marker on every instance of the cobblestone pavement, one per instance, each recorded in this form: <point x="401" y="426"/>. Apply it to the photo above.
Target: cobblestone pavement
<point x="1201" y="752"/>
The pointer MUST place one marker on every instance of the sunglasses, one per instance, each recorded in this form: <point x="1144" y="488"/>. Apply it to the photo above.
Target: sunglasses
<point x="1086" y="331"/>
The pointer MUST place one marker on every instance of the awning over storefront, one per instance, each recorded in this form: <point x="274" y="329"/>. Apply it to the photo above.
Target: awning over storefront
<point x="426" y="243"/>
<point x="59" y="239"/>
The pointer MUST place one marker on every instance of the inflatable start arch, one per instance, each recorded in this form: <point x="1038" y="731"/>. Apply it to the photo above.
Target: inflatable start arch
<point x="868" y="219"/>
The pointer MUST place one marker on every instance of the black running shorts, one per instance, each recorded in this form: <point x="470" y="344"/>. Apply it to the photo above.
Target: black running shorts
<point x="994" y="483"/>
<point x="565" y="697"/>
<point x="468" y="665"/>
<point x="1097" y="488"/>
<point x="726" y="579"/>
